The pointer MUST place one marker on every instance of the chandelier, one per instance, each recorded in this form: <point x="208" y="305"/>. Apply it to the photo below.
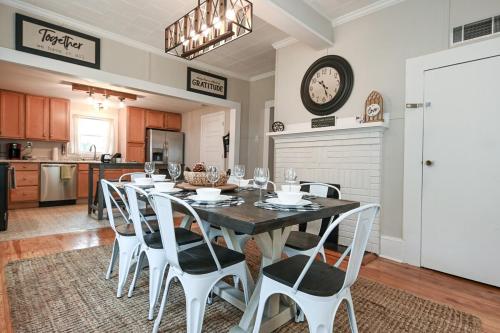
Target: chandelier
<point x="208" y="26"/>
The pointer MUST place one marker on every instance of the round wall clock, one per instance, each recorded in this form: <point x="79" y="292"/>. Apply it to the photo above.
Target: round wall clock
<point x="327" y="85"/>
<point x="278" y="126"/>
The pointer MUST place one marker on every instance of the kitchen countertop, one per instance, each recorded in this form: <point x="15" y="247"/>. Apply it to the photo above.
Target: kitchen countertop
<point x="50" y="161"/>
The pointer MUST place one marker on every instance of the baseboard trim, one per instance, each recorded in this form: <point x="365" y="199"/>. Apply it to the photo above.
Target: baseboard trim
<point x="391" y="248"/>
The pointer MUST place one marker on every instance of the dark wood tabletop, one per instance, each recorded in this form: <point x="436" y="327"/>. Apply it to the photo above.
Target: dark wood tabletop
<point x="252" y="220"/>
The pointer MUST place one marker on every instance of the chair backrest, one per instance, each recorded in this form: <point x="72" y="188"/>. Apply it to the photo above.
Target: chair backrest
<point x="132" y="194"/>
<point x="365" y="216"/>
<point x="132" y="176"/>
<point x="110" y="192"/>
<point x="321" y="189"/>
<point x="164" y="211"/>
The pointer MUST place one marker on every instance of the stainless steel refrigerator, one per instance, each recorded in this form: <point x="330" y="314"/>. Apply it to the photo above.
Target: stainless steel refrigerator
<point x="164" y="146"/>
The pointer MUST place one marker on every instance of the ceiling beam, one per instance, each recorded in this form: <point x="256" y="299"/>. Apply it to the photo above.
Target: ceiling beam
<point x="298" y="19"/>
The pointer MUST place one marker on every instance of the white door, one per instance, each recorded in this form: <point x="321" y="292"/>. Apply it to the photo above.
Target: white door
<point x="461" y="186"/>
<point x="211" y="145"/>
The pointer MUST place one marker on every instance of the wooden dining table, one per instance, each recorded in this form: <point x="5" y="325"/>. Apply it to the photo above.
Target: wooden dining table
<point x="270" y="230"/>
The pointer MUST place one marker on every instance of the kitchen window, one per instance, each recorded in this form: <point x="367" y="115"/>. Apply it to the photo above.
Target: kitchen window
<point x="94" y="131"/>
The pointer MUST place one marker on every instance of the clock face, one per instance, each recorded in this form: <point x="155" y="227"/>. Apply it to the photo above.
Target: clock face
<point x="324" y="85"/>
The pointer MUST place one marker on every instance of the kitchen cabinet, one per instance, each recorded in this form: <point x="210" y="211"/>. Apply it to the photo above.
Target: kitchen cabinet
<point x="136" y="126"/>
<point x="59" y="119"/>
<point x="155" y="119"/>
<point x="173" y="121"/>
<point x="11" y="115"/>
<point x="37" y="117"/>
<point x="83" y="180"/>
<point x="136" y="152"/>
<point x="27" y="184"/>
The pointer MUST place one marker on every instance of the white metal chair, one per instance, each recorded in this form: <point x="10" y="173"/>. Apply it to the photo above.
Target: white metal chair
<point x="132" y="176"/>
<point x="303" y="242"/>
<point x="151" y="247"/>
<point x="315" y="286"/>
<point x="125" y="243"/>
<point x="198" y="269"/>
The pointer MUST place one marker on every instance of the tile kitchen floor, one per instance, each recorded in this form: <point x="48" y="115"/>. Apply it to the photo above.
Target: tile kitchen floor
<point x="33" y="222"/>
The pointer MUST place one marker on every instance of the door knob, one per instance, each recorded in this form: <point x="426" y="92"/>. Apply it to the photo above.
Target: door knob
<point x="428" y="162"/>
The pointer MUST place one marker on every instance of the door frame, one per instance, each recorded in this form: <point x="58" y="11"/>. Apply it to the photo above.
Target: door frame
<point x="87" y="73"/>
<point x="267" y="125"/>
<point x="413" y="135"/>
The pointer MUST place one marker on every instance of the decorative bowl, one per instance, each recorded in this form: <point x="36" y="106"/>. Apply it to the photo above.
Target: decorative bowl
<point x="200" y="178"/>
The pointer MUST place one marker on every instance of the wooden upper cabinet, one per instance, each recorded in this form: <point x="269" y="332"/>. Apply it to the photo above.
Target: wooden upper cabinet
<point x="173" y="121"/>
<point x="59" y="119"/>
<point x="154" y="119"/>
<point x="11" y="115"/>
<point x="136" y="127"/>
<point x="37" y="117"/>
<point x="136" y="152"/>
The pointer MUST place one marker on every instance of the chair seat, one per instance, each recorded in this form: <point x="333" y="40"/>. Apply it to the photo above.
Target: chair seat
<point x="320" y="280"/>
<point x="302" y="241"/>
<point x="198" y="260"/>
<point x="183" y="237"/>
<point x="127" y="229"/>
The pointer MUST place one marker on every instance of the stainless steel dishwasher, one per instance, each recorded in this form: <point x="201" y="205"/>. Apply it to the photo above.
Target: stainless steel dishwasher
<point x="58" y="184"/>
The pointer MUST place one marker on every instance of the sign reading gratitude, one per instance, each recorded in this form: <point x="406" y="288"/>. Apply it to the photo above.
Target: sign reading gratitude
<point x="206" y="83"/>
<point x="52" y="41"/>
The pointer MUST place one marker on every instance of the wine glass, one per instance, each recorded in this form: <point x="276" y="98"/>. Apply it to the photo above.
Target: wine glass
<point x="239" y="172"/>
<point x="260" y="178"/>
<point x="213" y="174"/>
<point x="290" y="176"/>
<point x="174" y="169"/>
<point x="149" y="168"/>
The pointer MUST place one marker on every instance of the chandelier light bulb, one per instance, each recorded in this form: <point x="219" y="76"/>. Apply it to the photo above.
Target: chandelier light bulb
<point x="182" y="39"/>
<point x="203" y="27"/>
<point x="185" y="43"/>
<point x="230" y="15"/>
<point x="121" y="105"/>
<point x="192" y="34"/>
<point x="105" y="103"/>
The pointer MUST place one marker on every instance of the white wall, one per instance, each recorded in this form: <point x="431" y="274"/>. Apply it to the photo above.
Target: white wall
<point x="261" y="91"/>
<point x="377" y="47"/>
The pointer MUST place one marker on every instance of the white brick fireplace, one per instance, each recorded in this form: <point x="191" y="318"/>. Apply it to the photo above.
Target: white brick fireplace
<point x="349" y="155"/>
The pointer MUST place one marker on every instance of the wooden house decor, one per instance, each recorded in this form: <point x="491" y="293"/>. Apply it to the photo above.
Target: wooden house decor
<point x="374" y="108"/>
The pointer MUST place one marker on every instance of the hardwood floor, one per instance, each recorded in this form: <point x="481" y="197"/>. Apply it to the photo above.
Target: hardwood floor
<point x="480" y="300"/>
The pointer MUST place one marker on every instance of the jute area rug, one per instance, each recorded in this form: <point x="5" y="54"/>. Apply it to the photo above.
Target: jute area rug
<point x="67" y="292"/>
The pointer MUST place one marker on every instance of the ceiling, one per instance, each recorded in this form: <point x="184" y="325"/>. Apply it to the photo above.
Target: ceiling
<point x="38" y="82"/>
<point x="336" y="8"/>
<point x="145" y="21"/>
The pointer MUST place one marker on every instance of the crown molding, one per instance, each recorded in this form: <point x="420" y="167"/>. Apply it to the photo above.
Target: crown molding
<point x="91" y="29"/>
<point x="284" y="43"/>
<point x="261" y="76"/>
<point x="364" y="11"/>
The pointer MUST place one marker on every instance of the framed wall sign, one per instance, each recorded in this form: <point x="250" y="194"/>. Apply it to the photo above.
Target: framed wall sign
<point x="206" y="83"/>
<point x="53" y="41"/>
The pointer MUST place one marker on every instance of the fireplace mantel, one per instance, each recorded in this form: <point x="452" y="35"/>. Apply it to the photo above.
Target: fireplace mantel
<point x="301" y="129"/>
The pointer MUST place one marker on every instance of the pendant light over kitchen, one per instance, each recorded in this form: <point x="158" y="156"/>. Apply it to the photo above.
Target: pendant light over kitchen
<point x="208" y="26"/>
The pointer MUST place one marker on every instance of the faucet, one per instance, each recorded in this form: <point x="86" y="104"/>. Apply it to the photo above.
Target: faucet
<point x="95" y="151"/>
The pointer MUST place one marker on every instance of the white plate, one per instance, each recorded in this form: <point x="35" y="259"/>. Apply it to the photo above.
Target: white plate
<point x="221" y="197"/>
<point x="172" y="190"/>
<point x="276" y="201"/>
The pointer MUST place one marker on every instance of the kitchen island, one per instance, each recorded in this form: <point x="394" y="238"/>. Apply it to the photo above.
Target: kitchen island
<point x="121" y="168"/>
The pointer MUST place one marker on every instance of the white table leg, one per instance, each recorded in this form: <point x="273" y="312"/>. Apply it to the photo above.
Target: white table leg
<point x="271" y="245"/>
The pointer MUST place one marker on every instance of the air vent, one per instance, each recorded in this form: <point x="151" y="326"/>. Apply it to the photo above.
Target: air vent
<point x="476" y="29"/>
<point x="496" y="24"/>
